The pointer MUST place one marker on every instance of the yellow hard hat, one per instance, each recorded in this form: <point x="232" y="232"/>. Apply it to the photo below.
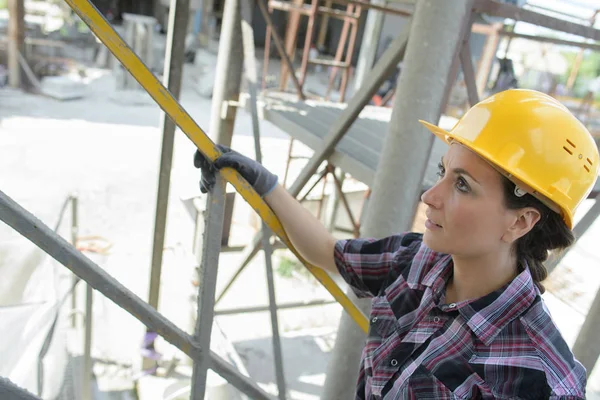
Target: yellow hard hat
<point x="535" y="142"/>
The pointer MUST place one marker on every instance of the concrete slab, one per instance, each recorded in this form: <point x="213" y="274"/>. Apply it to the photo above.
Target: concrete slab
<point x="63" y="87"/>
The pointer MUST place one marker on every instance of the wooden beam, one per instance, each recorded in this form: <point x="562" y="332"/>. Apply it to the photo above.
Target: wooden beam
<point x="16" y="41"/>
<point x="497" y="9"/>
<point x="368" y="5"/>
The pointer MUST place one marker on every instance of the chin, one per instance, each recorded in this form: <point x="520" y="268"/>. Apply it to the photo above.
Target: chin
<point x="435" y="243"/>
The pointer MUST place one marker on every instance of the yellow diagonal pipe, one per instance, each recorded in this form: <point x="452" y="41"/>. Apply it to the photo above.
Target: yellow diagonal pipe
<point x="104" y="31"/>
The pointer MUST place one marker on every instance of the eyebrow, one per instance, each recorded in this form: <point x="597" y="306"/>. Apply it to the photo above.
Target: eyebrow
<point x="460" y="171"/>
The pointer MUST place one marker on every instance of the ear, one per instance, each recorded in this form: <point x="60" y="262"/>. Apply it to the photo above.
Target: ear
<point x="522" y="222"/>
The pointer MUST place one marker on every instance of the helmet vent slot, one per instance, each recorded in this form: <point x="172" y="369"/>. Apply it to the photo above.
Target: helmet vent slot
<point x="586" y="168"/>
<point x="589" y="161"/>
<point x="568" y="150"/>
<point x="571" y="143"/>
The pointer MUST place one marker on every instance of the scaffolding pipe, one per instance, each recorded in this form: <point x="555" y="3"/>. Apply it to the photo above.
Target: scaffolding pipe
<point x="228" y="75"/>
<point x="399" y="176"/>
<point x="252" y="78"/>
<point x="16" y="41"/>
<point x="62" y="251"/>
<point x="178" y="18"/>
<point x="370" y="43"/>
<point x="209" y="262"/>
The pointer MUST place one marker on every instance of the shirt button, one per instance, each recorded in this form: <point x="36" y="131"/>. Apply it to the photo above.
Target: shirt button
<point x="452" y="305"/>
<point x="374" y="320"/>
<point x="436" y="319"/>
<point x="394" y="362"/>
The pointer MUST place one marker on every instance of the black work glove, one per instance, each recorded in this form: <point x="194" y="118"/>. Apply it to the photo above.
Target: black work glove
<point x="258" y="176"/>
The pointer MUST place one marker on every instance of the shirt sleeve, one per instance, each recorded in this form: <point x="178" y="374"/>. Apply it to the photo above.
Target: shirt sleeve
<point x="367" y="265"/>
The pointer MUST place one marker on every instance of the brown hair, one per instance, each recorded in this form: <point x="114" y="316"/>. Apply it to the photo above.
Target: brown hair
<point x="549" y="233"/>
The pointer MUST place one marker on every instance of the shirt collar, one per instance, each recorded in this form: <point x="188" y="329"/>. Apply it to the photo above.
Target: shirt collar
<point x="488" y="315"/>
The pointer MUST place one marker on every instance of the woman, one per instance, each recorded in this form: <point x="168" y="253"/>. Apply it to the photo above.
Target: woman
<point x="457" y="312"/>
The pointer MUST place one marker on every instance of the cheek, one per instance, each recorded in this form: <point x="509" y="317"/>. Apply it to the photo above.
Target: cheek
<point x="473" y="223"/>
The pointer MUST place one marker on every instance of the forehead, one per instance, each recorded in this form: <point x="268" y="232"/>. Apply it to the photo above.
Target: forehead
<point x="459" y="156"/>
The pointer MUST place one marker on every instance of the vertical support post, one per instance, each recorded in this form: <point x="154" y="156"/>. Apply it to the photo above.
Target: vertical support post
<point x="251" y="77"/>
<point x="74" y="235"/>
<point x="228" y="75"/>
<point x="16" y="40"/>
<point x="290" y="43"/>
<point x="174" y="57"/>
<point x="468" y="72"/>
<point x="323" y="27"/>
<point x="227" y="88"/>
<point x="209" y="262"/>
<point x="87" y="345"/>
<point x="307" y="41"/>
<point x="178" y="17"/>
<point x="579" y="59"/>
<point x="333" y="204"/>
<point x="370" y="43"/>
<point x="487" y="58"/>
<point x="578" y="231"/>
<point x="403" y="161"/>
<point x="587" y="346"/>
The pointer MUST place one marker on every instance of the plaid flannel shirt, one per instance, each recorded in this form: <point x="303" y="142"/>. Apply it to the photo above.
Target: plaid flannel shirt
<point x="503" y="345"/>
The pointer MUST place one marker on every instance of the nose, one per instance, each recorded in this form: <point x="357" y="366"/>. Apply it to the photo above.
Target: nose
<point x="432" y="197"/>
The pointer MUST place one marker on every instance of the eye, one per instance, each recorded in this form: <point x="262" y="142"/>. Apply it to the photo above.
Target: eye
<point x="462" y="185"/>
<point x="441" y="170"/>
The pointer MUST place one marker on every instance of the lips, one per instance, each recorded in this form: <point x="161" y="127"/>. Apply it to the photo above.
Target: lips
<point x="433" y="222"/>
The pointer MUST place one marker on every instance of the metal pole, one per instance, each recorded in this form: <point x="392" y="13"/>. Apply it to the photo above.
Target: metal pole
<point x="228" y="76"/>
<point x="587" y="346"/>
<point x="370" y="43"/>
<point x="251" y="77"/>
<point x="16" y="40"/>
<point x="178" y="18"/>
<point x="209" y="262"/>
<point x="323" y="27"/>
<point x="404" y="157"/>
<point x="578" y="231"/>
<point x="246" y="310"/>
<point x="468" y="72"/>
<point x="173" y="70"/>
<point x="227" y="87"/>
<point x="88" y="372"/>
<point x="74" y="234"/>
<point x="62" y="251"/>
<point x="334" y="201"/>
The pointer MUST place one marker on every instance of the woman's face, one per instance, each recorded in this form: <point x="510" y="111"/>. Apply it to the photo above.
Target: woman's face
<point x="466" y="212"/>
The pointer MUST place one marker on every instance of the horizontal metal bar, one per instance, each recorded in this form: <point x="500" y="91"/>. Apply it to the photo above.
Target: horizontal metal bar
<point x="62" y="251"/>
<point x="367" y="5"/>
<point x="330" y="63"/>
<point x="246" y="310"/>
<point x="285" y="6"/>
<point x="339" y="14"/>
<point x="545" y="39"/>
<point x="503" y="10"/>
